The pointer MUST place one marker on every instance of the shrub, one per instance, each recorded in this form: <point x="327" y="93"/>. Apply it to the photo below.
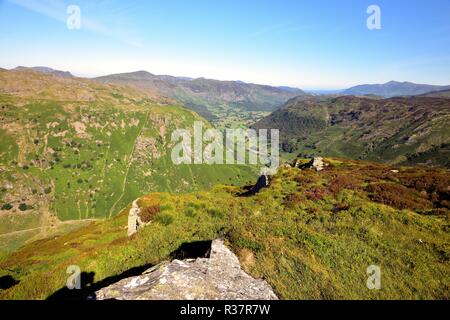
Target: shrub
<point x="317" y="193"/>
<point x="397" y="196"/>
<point x="164" y="219"/>
<point x="24" y="207"/>
<point x="240" y="240"/>
<point x="294" y="199"/>
<point x="429" y="181"/>
<point x="215" y="213"/>
<point x="166" y="207"/>
<point x="341" y="207"/>
<point x="341" y="182"/>
<point x="7" y="206"/>
<point x="304" y="178"/>
<point x="189" y="212"/>
<point x="435" y="184"/>
<point x="441" y="212"/>
<point x="196" y="205"/>
<point x="148" y="213"/>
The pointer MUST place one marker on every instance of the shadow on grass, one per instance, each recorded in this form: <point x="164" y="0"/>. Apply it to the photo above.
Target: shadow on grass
<point x="263" y="182"/>
<point x="89" y="287"/>
<point x="7" y="282"/>
<point x="192" y="250"/>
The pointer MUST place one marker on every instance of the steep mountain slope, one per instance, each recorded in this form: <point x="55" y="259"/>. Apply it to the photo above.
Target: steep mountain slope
<point x="75" y="149"/>
<point x="393" y="89"/>
<point x="397" y="130"/>
<point x="223" y="102"/>
<point x="310" y="235"/>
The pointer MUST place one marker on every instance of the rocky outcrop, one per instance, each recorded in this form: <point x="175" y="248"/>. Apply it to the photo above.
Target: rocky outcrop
<point x="134" y="222"/>
<point x="316" y="163"/>
<point x="218" y="277"/>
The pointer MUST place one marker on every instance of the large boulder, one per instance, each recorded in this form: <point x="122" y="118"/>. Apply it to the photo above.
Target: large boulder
<point x="218" y="277"/>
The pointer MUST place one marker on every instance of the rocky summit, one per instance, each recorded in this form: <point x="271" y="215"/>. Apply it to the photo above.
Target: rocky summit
<point x="218" y="277"/>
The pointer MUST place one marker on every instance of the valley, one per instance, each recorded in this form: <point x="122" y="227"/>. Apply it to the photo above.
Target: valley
<point x="82" y="150"/>
<point x="226" y="104"/>
<point x="78" y="154"/>
<point x="238" y="156"/>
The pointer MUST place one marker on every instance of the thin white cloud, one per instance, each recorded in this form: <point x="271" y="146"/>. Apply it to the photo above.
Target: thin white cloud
<point x="277" y="29"/>
<point x="56" y="10"/>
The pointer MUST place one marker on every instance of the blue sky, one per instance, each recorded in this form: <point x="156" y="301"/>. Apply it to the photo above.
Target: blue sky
<point x="309" y="44"/>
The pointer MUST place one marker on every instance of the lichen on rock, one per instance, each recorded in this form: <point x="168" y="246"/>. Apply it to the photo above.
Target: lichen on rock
<point x="219" y="277"/>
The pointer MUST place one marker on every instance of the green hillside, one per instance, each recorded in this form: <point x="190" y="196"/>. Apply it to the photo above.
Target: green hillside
<point x="310" y="234"/>
<point x="74" y="149"/>
<point x="398" y="130"/>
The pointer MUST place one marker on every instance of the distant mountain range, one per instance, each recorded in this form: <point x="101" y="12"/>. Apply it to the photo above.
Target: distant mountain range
<point x="224" y="103"/>
<point x="237" y="103"/>
<point x="393" y="89"/>
<point x="215" y="100"/>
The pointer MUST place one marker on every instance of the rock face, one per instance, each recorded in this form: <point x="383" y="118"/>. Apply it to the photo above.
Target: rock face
<point x="315" y="163"/>
<point x="218" y="277"/>
<point x="133" y="218"/>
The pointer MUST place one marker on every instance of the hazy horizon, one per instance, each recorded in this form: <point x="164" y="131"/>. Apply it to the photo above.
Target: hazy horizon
<point x="312" y="45"/>
<point x="305" y="88"/>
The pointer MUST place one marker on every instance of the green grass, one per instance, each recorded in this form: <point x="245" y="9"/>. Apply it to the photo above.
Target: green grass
<point x="84" y="160"/>
<point x="310" y="235"/>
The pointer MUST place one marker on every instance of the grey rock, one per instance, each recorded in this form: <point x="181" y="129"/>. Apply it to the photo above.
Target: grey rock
<point x="133" y="217"/>
<point x="219" y="277"/>
<point x="134" y="220"/>
<point x="316" y="163"/>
